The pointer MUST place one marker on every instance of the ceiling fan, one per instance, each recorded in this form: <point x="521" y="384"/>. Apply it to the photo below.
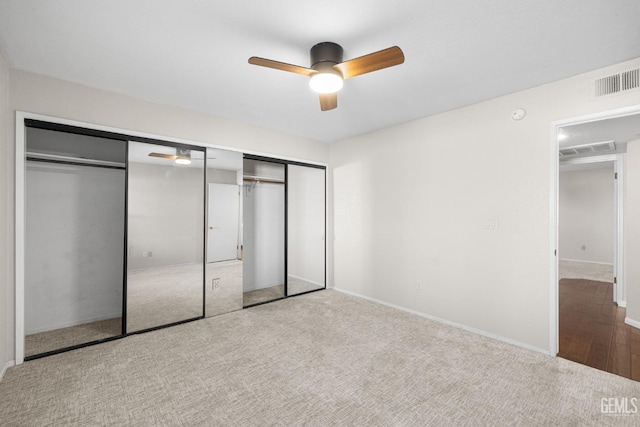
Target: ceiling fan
<point x="182" y="156"/>
<point x="328" y="70"/>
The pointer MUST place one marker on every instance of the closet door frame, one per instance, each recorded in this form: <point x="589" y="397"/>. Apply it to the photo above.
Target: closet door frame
<point x="286" y="164"/>
<point x="83" y="127"/>
<point x="23" y="121"/>
<point x="38" y="124"/>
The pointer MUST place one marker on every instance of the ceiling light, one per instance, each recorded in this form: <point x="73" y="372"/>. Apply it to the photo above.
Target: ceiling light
<point x="183" y="156"/>
<point x="326" y="82"/>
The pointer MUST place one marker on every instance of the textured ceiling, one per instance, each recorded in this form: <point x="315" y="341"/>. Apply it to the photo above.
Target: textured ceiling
<point x="193" y="53"/>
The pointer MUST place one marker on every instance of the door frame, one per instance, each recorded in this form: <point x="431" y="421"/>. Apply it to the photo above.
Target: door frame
<point x="554" y="170"/>
<point x="618" y="209"/>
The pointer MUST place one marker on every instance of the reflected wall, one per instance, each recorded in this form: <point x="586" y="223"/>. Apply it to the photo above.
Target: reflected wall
<point x="306" y="229"/>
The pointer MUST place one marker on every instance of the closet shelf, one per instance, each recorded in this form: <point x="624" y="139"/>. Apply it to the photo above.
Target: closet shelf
<point x="55" y="158"/>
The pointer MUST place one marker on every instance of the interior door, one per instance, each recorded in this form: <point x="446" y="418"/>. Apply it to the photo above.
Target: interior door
<point x="223" y="220"/>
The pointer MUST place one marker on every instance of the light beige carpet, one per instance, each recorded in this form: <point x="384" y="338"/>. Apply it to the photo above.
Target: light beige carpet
<point x="568" y="269"/>
<point x="73" y="335"/>
<point x="258" y="296"/>
<point x="163" y="295"/>
<point x="296" y="286"/>
<point x="319" y="359"/>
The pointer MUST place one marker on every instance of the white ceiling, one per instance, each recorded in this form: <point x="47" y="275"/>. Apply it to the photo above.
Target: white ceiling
<point x="193" y="53"/>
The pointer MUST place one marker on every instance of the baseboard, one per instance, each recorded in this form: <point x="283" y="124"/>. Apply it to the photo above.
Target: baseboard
<point x="586" y="262"/>
<point x="7" y="365"/>
<point x="632" y="322"/>
<point x="622" y="304"/>
<point x="450" y="323"/>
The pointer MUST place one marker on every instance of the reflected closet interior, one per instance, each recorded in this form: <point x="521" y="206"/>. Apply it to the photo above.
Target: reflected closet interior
<point x="74" y="240"/>
<point x="126" y="235"/>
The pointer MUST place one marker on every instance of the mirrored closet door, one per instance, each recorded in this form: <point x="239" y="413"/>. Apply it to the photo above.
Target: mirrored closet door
<point x="74" y="239"/>
<point x="306" y="215"/>
<point x="165" y="239"/>
<point x="223" y="284"/>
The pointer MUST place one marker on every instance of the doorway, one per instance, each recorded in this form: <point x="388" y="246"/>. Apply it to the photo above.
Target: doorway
<point x="590" y="325"/>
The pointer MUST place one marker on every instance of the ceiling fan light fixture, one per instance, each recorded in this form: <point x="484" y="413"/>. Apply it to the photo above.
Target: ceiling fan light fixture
<point x="326" y="82"/>
<point x="183" y="156"/>
<point x="328" y="69"/>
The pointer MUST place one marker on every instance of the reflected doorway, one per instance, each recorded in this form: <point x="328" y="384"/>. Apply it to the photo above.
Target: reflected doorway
<point x="223" y="284"/>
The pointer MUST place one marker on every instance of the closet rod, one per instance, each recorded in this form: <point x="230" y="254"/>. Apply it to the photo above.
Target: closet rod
<point x="65" y="160"/>
<point x="265" y="181"/>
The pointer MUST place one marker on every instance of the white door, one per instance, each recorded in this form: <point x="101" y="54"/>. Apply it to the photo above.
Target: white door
<point x="223" y="222"/>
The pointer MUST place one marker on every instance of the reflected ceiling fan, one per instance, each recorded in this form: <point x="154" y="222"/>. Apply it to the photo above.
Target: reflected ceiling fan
<point x="328" y="70"/>
<point x="182" y="156"/>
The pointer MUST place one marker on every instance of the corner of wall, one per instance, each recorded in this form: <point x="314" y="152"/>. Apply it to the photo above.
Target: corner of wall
<point x="6" y="230"/>
<point x="7" y="365"/>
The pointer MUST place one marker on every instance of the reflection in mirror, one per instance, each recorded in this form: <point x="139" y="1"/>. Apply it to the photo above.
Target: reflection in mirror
<point x="223" y="284"/>
<point x="306" y="229"/>
<point x="165" y="264"/>
<point x="74" y="239"/>
<point x="263" y="231"/>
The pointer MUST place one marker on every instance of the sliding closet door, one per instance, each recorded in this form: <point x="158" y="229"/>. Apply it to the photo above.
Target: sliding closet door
<point x="223" y="286"/>
<point x="263" y="231"/>
<point x="165" y="264"/>
<point x="306" y="229"/>
<point x="74" y="239"/>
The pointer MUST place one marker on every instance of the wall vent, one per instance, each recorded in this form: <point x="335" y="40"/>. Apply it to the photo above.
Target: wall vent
<point x="616" y="83"/>
<point x="608" y="85"/>
<point x="631" y="79"/>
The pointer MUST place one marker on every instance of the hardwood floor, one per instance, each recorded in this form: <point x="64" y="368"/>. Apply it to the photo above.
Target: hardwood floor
<point x="592" y="329"/>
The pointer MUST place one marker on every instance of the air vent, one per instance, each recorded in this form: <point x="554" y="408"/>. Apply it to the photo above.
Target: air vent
<point x="608" y="85"/>
<point x="631" y="79"/>
<point x="617" y="83"/>
<point x="594" y="147"/>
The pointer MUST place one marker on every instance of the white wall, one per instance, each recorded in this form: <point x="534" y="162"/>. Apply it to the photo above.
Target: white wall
<point x="6" y="221"/>
<point x="74" y="246"/>
<point x="166" y="214"/>
<point x="306" y="222"/>
<point x="263" y="230"/>
<point x="411" y="204"/>
<point x="632" y="229"/>
<point x="49" y="96"/>
<point x="586" y="215"/>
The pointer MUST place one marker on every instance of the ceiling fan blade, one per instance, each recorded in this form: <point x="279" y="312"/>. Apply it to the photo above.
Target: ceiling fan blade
<point x="328" y="101"/>
<point x="371" y="62"/>
<point x="163" y="156"/>
<point x="254" y="60"/>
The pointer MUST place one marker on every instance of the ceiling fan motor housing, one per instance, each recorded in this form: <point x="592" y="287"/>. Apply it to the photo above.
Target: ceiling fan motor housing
<point x="325" y="55"/>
